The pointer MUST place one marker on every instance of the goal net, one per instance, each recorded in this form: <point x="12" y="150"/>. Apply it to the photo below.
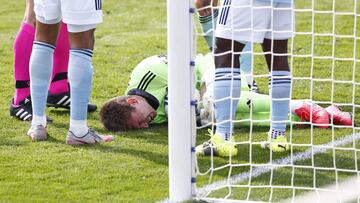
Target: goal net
<point x="323" y="159"/>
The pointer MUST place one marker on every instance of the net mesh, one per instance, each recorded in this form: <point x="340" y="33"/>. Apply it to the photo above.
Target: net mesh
<point x="324" y="63"/>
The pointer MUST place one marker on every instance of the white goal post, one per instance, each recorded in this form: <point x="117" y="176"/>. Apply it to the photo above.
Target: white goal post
<point x="181" y="112"/>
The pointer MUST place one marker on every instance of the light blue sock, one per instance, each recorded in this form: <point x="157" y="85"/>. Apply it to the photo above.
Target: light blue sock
<point x="280" y="86"/>
<point x="227" y="84"/>
<point x="246" y="62"/>
<point x="80" y="78"/>
<point x="40" y="72"/>
<point x="208" y="25"/>
<point x="245" y="59"/>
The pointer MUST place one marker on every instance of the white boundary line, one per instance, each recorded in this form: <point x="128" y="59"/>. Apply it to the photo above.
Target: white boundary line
<point x="346" y="191"/>
<point x="279" y="163"/>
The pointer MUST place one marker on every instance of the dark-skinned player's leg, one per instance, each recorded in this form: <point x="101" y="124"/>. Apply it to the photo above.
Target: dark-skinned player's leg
<point x="227" y="86"/>
<point x="208" y="14"/>
<point x="279" y="84"/>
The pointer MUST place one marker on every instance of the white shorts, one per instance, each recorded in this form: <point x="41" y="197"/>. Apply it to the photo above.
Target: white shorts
<point x="71" y="12"/>
<point x="254" y="20"/>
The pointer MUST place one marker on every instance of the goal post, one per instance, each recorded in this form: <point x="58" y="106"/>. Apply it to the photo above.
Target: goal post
<point x="180" y="114"/>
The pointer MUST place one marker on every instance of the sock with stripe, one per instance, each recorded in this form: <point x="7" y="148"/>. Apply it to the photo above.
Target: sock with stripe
<point x="227" y="87"/>
<point x="279" y="85"/>
<point x="40" y="73"/>
<point x="22" y="51"/>
<point x="274" y="133"/>
<point x="80" y="78"/>
<point x="59" y="81"/>
<point x="208" y="25"/>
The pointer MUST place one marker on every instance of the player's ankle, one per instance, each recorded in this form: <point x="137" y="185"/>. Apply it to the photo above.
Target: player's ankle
<point x="273" y="133"/>
<point x="78" y="128"/>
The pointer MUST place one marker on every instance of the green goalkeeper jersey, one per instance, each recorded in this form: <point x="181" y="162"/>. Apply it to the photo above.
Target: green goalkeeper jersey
<point x="149" y="80"/>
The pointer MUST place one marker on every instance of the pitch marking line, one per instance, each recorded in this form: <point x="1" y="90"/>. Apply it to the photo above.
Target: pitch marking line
<point x="279" y="163"/>
<point x="317" y="149"/>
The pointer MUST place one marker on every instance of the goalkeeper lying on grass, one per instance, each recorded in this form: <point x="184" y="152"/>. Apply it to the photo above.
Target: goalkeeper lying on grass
<point x="145" y="102"/>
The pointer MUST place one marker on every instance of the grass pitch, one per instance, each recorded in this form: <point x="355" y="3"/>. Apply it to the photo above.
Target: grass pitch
<point x="134" y="167"/>
<point x="318" y="77"/>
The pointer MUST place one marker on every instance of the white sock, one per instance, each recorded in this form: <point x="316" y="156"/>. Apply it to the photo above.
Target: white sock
<point x="78" y="127"/>
<point x="38" y="120"/>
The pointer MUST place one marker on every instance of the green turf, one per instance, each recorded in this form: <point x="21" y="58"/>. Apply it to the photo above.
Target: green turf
<point x="259" y="188"/>
<point x="134" y="167"/>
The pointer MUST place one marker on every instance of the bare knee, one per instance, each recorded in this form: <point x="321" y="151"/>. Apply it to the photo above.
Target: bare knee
<point x="227" y="53"/>
<point x="204" y="6"/>
<point x="82" y="40"/>
<point x="47" y="33"/>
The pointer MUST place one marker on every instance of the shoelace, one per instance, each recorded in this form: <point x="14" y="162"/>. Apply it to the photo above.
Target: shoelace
<point x="210" y="133"/>
<point x="95" y="135"/>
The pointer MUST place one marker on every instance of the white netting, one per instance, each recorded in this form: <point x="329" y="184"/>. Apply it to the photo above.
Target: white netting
<point x="323" y="58"/>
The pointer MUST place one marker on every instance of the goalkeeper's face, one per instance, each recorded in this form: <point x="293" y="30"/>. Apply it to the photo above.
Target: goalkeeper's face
<point x="142" y="114"/>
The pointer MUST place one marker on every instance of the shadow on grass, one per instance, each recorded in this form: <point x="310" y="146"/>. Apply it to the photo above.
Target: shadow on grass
<point x="156" y="134"/>
<point x="54" y="140"/>
<point x="157" y="158"/>
<point x="60" y="125"/>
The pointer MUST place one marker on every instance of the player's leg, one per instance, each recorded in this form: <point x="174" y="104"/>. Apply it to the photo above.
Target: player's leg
<point x="246" y="67"/>
<point x="59" y="92"/>
<point x="81" y="35"/>
<point x="231" y="37"/>
<point x="227" y="85"/>
<point x="276" y="42"/>
<point x="253" y="102"/>
<point x="309" y="111"/>
<point x="41" y="59"/>
<point x="227" y="82"/>
<point x="59" y="81"/>
<point x="339" y="117"/>
<point x="21" y="105"/>
<point x="300" y="110"/>
<point x="207" y="17"/>
<point x="280" y="87"/>
<point x="80" y="78"/>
